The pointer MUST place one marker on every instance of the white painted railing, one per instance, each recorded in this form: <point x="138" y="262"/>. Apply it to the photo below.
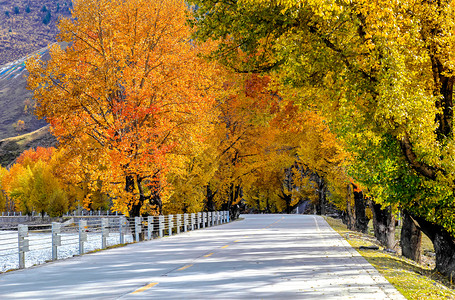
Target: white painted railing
<point x="82" y="234"/>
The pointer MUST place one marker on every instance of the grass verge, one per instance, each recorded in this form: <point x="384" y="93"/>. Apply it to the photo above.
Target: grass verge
<point x="414" y="281"/>
<point x="108" y="247"/>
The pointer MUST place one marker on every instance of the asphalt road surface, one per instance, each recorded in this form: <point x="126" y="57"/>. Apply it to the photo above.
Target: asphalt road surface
<point x="260" y="257"/>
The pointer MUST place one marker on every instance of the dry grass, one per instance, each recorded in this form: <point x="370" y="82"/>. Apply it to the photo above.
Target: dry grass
<point x="11" y="148"/>
<point x="414" y="281"/>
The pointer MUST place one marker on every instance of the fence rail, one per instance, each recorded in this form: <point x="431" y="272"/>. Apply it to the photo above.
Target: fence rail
<point x="20" y="245"/>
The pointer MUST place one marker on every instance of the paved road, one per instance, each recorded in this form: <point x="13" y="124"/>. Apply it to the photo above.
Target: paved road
<point x="260" y="257"/>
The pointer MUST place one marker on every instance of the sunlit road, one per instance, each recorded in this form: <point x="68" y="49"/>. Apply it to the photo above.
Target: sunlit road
<point x="260" y="257"/>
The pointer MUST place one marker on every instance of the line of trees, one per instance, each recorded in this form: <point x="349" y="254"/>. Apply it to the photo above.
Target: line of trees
<point x="382" y="75"/>
<point x="144" y="117"/>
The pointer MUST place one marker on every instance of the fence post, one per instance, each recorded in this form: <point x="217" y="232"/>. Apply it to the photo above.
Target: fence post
<point x="185" y="222"/>
<point x="199" y="220"/>
<point x="228" y="216"/>
<point x="122" y="223"/>
<point x="170" y="219"/>
<point x="161" y="225"/>
<point x="137" y="227"/>
<point x="104" y="232"/>
<point x="192" y="220"/>
<point x="178" y="220"/>
<point x="149" y="227"/>
<point x="56" y="239"/>
<point x="23" y="243"/>
<point x="82" y="235"/>
<point x="213" y="218"/>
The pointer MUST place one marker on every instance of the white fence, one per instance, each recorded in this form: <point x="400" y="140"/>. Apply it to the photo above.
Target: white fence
<point x="26" y="245"/>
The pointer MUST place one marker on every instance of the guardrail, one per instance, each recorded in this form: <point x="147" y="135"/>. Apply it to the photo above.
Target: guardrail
<point x="26" y="245"/>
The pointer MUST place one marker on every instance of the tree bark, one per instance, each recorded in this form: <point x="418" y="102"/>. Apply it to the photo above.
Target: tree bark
<point x="411" y="238"/>
<point x="234" y="194"/>
<point x="209" y="196"/>
<point x="443" y="242"/>
<point x="361" y="219"/>
<point x="322" y="189"/>
<point x="129" y="188"/>
<point x="384" y="225"/>
<point x="349" y="214"/>
<point x="154" y="197"/>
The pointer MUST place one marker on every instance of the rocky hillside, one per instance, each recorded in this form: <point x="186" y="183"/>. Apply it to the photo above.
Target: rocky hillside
<point x="28" y="25"/>
<point x="19" y="128"/>
<point x="16" y="117"/>
<point x="11" y="148"/>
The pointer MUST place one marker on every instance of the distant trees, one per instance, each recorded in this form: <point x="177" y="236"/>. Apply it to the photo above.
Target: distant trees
<point x="19" y="126"/>
<point x="47" y="18"/>
<point x="33" y="184"/>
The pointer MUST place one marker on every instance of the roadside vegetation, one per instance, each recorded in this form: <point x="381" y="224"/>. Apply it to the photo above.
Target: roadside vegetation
<point x="414" y="281"/>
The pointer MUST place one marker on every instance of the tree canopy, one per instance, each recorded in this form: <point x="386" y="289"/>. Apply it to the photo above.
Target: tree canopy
<point x="128" y="95"/>
<point x="380" y="72"/>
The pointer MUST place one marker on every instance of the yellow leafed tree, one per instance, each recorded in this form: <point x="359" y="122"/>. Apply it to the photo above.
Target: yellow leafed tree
<point x="128" y="96"/>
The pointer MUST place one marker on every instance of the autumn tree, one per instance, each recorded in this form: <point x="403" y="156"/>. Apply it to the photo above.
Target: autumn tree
<point x="3" y="193"/>
<point x="127" y="95"/>
<point x="385" y="70"/>
<point x="318" y="153"/>
<point x="33" y="184"/>
<point x="245" y="138"/>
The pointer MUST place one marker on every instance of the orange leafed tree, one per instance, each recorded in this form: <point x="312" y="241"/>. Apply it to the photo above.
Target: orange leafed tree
<point x="127" y="95"/>
<point x="32" y="155"/>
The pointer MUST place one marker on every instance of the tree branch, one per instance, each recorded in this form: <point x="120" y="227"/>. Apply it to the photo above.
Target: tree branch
<point x="420" y="167"/>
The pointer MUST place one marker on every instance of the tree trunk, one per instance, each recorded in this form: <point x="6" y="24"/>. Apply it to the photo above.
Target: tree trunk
<point x="234" y="194"/>
<point x="154" y="197"/>
<point x="411" y="238"/>
<point x="209" y="196"/>
<point x="349" y="214"/>
<point x="287" y="199"/>
<point x="322" y="189"/>
<point x="384" y="225"/>
<point x="360" y="204"/>
<point x="444" y="245"/>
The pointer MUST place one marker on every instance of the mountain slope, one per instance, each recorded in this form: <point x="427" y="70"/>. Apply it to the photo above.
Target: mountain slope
<point x="28" y="25"/>
<point x="17" y="106"/>
<point x="16" y="101"/>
